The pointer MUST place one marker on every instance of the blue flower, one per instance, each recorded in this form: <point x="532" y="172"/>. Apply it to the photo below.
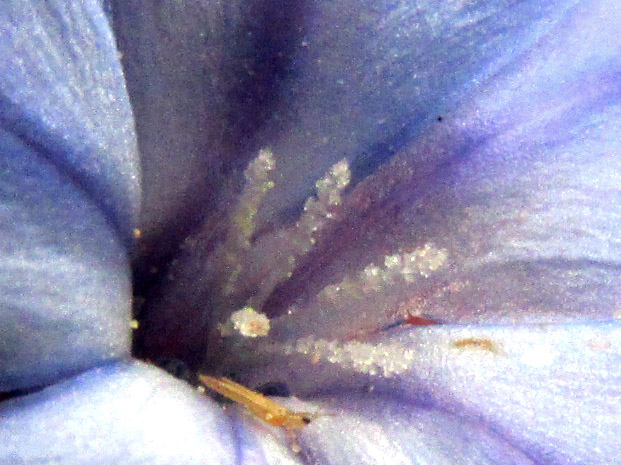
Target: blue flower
<point x="406" y="213"/>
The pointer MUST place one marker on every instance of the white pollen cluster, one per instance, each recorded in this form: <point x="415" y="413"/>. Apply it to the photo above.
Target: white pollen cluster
<point x="271" y="259"/>
<point x="399" y="268"/>
<point x="379" y="359"/>
<point x="318" y="210"/>
<point x="250" y="323"/>
<point x="246" y="267"/>
<point x="237" y="244"/>
<point x="404" y="266"/>
<point x="258" y="183"/>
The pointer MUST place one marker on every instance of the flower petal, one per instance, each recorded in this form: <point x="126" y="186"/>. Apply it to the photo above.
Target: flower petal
<point x="373" y="429"/>
<point x="121" y="413"/>
<point x="366" y="428"/>
<point x="64" y="276"/>
<point x="63" y="93"/>
<point x="550" y="390"/>
<point x="68" y="193"/>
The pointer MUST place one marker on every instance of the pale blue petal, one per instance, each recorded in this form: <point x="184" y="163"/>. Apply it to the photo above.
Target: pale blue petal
<point x="368" y="428"/>
<point x="62" y="92"/>
<point x="65" y="287"/>
<point x="503" y="120"/>
<point x="551" y="391"/>
<point x="126" y="412"/>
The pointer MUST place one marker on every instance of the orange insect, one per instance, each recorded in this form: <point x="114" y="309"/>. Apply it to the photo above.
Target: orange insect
<point x="267" y="410"/>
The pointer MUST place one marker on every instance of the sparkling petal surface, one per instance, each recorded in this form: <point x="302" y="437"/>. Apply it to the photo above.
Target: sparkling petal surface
<point x="468" y="289"/>
<point x="69" y="192"/>
<point x="64" y="278"/>
<point x="63" y="93"/>
<point x="367" y="428"/>
<point x="126" y="412"/>
<point x="501" y="213"/>
<point x="551" y="391"/>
